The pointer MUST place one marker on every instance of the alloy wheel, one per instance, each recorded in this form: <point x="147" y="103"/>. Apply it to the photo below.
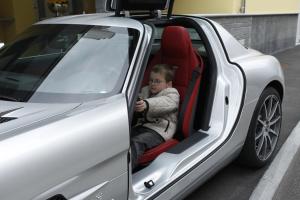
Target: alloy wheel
<point x="268" y="127"/>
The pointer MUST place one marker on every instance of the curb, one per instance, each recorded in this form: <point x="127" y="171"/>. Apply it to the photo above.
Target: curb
<point x="269" y="183"/>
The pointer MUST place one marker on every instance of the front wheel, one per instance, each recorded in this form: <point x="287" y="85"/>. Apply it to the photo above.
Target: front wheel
<point x="264" y="130"/>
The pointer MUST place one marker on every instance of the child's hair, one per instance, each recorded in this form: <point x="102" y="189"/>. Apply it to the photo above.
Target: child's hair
<point x="166" y="70"/>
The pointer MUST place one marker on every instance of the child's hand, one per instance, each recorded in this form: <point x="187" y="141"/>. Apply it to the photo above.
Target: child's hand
<point x="140" y="106"/>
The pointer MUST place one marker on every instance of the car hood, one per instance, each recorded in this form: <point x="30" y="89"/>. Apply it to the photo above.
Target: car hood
<point x="16" y="117"/>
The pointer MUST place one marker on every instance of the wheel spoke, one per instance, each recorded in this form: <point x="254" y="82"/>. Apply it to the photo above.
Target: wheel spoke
<point x="266" y="112"/>
<point x="273" y="132"/>
<point x="260" y="145"/>
<point x="269" y="108"/>
<point x="275" y="120"/>
<point x="272" y="143"/>
<point x="273" y="111"/>
<point x="270" y="140"/>
<point x="259" y="135"/>
<point x="265" y="147"/>
<point x="261" y="121"/>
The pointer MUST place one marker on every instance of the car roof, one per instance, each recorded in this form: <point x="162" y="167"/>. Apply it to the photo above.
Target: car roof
<point x="99" y="19"/>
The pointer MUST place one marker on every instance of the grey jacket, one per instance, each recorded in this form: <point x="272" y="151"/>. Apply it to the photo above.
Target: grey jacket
<point x="162" y="111"/>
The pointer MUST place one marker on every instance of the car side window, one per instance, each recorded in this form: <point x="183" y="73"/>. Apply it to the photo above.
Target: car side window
<point x="197" y="41"/>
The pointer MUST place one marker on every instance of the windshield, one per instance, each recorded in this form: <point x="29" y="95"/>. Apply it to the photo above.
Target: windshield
<point x="66" y="63"/>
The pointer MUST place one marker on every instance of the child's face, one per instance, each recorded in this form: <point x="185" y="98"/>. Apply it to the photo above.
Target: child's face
<point x="157" y="83"/>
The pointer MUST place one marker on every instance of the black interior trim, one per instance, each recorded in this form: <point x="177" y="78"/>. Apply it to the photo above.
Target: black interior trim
<point x="187" y="143"/>
<point x="170" y="9"/>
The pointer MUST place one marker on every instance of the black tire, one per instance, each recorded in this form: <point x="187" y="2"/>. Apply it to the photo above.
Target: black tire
<point x="263" y="135"/>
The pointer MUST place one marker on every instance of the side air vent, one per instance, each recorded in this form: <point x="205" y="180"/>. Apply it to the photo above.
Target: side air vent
<point x="57" y="197"/>
<point x="6" y="119"/>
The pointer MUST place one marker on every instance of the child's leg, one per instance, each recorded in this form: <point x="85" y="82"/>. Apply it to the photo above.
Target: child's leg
<point x="141" y="142"/>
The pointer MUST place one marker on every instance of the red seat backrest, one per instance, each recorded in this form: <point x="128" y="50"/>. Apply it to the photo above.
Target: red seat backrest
<point x="176" y="49"/>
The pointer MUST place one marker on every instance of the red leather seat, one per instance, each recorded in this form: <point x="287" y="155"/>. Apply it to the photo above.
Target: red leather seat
<point x="176" y="49"/>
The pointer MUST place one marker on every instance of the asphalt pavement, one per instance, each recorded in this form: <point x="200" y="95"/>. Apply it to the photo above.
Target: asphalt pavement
<point x="236" y="182"/>
<point x="289" y="188"/>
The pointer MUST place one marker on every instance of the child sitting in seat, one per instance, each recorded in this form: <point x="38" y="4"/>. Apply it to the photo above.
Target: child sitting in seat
<point x="158" y="106"/>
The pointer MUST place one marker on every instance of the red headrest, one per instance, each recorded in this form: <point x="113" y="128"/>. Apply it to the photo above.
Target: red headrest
<point x="176" y="42"/>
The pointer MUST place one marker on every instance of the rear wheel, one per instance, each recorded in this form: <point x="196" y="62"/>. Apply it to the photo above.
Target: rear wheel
<point x="264" y="130"/>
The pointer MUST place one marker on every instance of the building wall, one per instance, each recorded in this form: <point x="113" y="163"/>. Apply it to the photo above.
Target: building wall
<point x="1" y="33"/>
<point x="272" y="6"/>
<point x="6" y="8"/>
<point x="266" y="33"/>
<point x="239" y="27"/>
<point x="205" y="6"/>
<point x="234" y="6"/>
<point x="100" y="6"/>
<point x="6" y="27"/>
<point x="274" y="33"/>
<point x="22" y="15"/>
<point x="89" y="6"/>
<point x="267" y="25"/>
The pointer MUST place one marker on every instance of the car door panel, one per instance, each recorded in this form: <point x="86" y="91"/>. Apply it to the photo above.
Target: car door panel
<point x="71" y="155"/>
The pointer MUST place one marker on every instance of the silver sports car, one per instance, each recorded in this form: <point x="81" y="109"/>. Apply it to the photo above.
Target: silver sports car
<point x="68" y="88"/>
